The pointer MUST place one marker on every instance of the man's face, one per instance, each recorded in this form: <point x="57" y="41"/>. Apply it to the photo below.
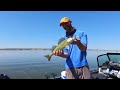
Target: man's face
<point x="67" y="26"/>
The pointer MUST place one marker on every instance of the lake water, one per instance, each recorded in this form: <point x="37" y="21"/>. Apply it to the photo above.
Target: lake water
<point x="31" y="64"/>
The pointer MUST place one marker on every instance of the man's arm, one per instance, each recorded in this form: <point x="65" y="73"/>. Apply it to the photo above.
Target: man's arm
<point x="80" y="45"/>
<point x="81" y="42"/>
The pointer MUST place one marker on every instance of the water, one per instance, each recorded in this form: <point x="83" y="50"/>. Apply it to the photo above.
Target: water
<point x="31" y="64"/>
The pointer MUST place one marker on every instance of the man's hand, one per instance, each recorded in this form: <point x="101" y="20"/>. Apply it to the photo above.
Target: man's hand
<point x="79" y="44"/>
<point x="76" y="41"/>
<point x="60" y="53"/>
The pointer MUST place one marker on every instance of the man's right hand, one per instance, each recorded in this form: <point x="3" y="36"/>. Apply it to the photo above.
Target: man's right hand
<point x="60" y="53"/>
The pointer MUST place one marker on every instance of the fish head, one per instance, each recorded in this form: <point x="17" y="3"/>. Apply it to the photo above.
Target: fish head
<point x="71" y="39"/>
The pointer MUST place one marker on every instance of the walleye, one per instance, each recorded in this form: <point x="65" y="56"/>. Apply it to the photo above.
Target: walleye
<point x="61" y="45"/>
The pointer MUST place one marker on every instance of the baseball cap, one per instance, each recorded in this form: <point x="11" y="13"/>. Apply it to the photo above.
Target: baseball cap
<point x="64" y="20"/>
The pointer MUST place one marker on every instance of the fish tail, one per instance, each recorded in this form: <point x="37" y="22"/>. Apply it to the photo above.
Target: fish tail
<point x="48" y="57"/>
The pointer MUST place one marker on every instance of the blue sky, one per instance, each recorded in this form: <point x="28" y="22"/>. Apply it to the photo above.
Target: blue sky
<point x="40" y="29"/>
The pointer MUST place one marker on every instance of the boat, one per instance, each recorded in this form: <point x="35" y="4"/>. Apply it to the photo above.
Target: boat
<point x="108" y="67"/>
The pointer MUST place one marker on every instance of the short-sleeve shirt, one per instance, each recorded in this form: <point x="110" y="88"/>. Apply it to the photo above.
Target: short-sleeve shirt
<point x="76" y="57"/>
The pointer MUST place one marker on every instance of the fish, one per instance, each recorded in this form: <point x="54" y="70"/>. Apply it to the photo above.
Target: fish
<point x="61" y="45"/>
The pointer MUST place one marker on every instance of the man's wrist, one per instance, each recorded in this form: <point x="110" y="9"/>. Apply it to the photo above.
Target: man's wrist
<point x="77" y="41"/>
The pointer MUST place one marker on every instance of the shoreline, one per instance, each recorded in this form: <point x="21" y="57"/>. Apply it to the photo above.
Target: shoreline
<point x="50" y="49"/>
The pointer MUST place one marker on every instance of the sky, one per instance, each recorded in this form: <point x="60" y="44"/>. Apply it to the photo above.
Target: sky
<point x="40" y="29"/>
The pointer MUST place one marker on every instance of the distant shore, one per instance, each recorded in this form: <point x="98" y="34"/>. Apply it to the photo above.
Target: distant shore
<point x="50" y="49"/>
<point x="25" y="49"/>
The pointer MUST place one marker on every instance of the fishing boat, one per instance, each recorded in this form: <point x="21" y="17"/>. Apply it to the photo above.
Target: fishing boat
<point x="108" y="67"/>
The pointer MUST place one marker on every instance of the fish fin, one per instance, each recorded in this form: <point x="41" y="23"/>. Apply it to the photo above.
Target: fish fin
<point x="61" y="39"/>
<point x="48" y="57"/>
<point x="53" y="47"/>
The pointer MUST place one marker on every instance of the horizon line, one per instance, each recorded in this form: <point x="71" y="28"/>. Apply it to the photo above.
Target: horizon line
<point x="49" y="49"/>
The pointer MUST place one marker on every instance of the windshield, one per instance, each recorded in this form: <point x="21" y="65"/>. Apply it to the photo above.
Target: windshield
<point x="101" y="59"/>
<point x="115" y="58"/>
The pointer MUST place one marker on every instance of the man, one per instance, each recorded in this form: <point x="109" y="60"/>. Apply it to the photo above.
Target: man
<point x="76" y="63"/>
